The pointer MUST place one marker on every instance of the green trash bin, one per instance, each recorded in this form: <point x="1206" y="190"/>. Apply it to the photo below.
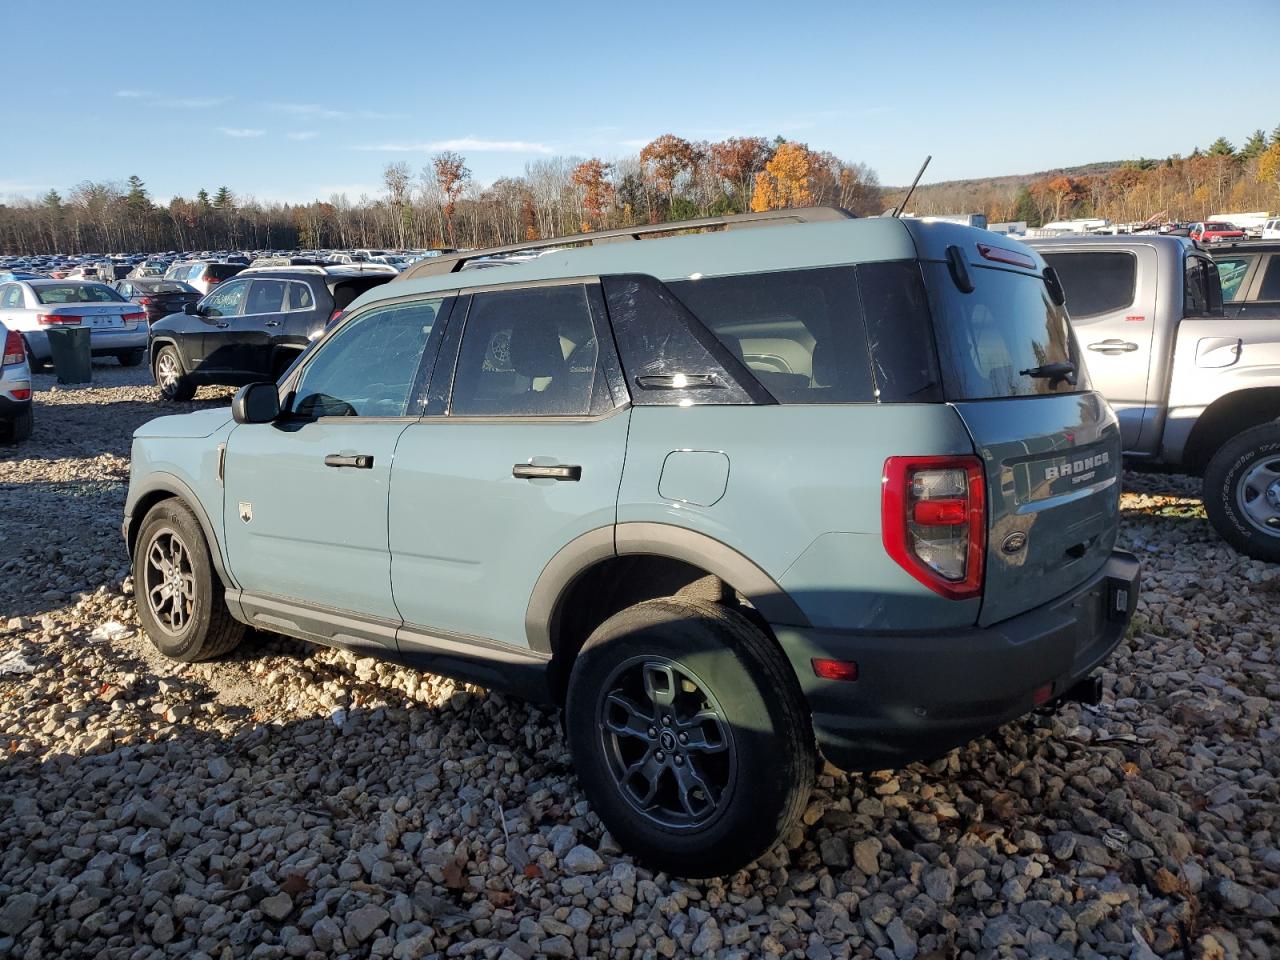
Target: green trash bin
<point x="72" y="359"/>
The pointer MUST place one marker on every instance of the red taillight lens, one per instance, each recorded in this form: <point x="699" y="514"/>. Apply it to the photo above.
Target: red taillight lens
<point x="145" y="300"/>
<point x="13" y="351"/>
<point x="334" y="317"/>
<point x="834" y="669"/>
<point x="211" y="280"/>
<point x="56" y="319"/>
<point x="21" y="394"/>
<point x="933" y="518"/>
<point x="134" y="317"/>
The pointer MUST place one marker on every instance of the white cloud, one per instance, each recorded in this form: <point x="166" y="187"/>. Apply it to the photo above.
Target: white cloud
<point x="134" y="94"/>
<point x="461" y="144"/>
<point x="241" y="132"/>
<point x="321" y="112"/>
<point x="190" y="103"/>
<point x="302" y="135"/>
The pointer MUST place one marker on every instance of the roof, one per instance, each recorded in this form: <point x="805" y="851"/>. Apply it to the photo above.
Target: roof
<point x="1112" y="240"/>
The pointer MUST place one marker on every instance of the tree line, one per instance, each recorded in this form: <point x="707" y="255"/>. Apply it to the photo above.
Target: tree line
<point x="1219" y="179"/>
<point x="441" y="205"/>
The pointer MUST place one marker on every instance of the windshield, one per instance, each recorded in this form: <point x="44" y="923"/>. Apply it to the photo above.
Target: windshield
<point x="1001" y="339"/>
<point x="78" y="293"/>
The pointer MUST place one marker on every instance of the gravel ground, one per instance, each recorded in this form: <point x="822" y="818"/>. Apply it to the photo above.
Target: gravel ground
<point x="295" y="802"/>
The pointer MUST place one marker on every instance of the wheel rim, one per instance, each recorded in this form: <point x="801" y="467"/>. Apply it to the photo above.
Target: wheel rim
<point x="669" y="745"/>
<point x="167" y="372"/>
<point x="1258" y="495"/>
<point x="169" y="582"/>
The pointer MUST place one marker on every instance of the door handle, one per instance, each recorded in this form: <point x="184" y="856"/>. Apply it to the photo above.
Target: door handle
<point x="272" y="323"/>
<point x="1113" y="346"/>
<point x="560" y="471"/>
<point x="360" y="461"/>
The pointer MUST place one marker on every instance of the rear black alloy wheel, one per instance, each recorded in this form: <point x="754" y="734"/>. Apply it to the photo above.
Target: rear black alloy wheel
<point x="669" y="744"/>
<point x="690" y="735"/>
<point x="1242" y="492"/>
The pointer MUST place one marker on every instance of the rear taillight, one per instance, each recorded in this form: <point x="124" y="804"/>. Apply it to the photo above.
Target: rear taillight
<point x="933" y="518"/>
<point x="334" y="317"/>
<point x="24" y="394"/>
<point x="56" y="319"/>
<point x="145" y="300"/>
<point x="134" y="317"/>
<point x="13" y="351"/>
<point x="208" y="279"/>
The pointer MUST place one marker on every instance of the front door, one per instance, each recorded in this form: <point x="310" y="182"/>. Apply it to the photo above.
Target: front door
<point x="523" y="455"/>
<point x="306" y="496"/>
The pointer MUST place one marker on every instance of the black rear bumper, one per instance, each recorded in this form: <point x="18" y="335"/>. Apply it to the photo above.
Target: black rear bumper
<point x="919" y="695"/>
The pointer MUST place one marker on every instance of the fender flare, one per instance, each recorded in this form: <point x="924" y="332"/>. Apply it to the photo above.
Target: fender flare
<point x="652" y="539"/>
<point x="177" y="487"/>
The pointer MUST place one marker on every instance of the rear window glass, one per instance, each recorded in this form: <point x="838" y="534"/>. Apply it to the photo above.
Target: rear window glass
<point x="345" y="291"/>
<point x="221" y="271"/>
<point x="1096" y="282"/>
<point x="163" y="286"/>
<point x="992" y="341"/>
<point x="78" y="293"/>
<point x="799" y="332"/>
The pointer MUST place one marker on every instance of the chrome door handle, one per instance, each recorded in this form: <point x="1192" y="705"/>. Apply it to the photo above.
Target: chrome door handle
<point x="1113" y="346"/>
<point x="560" y="471"/>
<point x="272" y="323"/>
<point x="360" y="461"/>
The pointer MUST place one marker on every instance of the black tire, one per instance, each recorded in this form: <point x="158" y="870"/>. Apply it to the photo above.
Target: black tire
<point x="177" y="388"/>
<point x="757" y="765"/>
<point x="1237" y="477"/>
<point x="20" y="426"/>
<point x="194" y="625"/>
<point x="131" y="358"/>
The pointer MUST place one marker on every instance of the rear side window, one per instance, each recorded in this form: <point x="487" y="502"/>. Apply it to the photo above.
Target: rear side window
<point x="991" y="341"/>
<point x="900" y="332"/>
<point x="526" y="353"/>
<point x="1231" y="272"/>
<point x="299" y="297"/>
<point x="799" y="332"/>
<point x="1096" y="282"/>
<point x="1270" y="289"/>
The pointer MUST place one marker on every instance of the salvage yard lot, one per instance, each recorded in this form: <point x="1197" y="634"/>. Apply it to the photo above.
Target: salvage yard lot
<point x="291" y="800"/>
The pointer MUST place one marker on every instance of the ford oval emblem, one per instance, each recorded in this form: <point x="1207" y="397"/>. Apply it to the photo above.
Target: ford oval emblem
<point x="1014" y="542"/>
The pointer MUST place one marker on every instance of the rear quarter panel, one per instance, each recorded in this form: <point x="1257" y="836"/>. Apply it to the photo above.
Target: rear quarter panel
<point x="802" y="499"/>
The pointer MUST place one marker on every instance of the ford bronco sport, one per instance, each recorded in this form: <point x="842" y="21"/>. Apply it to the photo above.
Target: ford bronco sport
<point x="733" y="498"/>
<point x="1195" y="386"/>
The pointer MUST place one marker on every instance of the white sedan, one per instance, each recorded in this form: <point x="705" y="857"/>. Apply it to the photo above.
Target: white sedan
<point x="117" y="328"/>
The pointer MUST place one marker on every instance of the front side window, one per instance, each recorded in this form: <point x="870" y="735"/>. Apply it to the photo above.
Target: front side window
<point x="1096" y="282"/>
<point x="526" y="353"/>
<point x="799" y="332"/>
<point x="369" y="367"/>
<point x="225" y="301"/>
<point x="265" y="296"/>
<point x="1231" y="272"/>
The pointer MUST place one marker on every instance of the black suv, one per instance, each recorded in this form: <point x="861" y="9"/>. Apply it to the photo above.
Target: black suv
<point x="253" y="326"/>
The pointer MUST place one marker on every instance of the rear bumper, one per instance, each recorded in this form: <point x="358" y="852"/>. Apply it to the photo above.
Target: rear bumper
<point x="100" y="341"/>
<point x="919" y="695"/>
<point x="9" y="407"/>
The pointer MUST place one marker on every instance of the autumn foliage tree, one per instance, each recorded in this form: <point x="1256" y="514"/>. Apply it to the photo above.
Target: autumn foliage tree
<point x="664" y="159"/>
<point x="785" y="180"/>
<point x="737" y="161"/>
<point x="452" y="176"/>
<point x="592" y="178"/>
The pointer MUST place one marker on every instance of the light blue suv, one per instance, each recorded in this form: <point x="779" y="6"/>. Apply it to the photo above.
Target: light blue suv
<point x="732" y="498"/>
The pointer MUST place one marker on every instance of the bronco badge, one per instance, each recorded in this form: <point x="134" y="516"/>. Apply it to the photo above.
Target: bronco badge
<point x="246" y="511"/>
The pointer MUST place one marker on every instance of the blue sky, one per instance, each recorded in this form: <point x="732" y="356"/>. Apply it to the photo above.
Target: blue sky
<point x="290" y="101"/>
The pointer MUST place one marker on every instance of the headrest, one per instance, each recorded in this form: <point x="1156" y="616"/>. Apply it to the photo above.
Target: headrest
<point x="536" y="351"/>
<point x="826" y="368"/>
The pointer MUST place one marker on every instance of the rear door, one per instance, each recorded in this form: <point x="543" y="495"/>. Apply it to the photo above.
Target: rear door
<point x="1049" y="445"/>
<point x="523" y="454"/>
<point x="1111" y="298"/>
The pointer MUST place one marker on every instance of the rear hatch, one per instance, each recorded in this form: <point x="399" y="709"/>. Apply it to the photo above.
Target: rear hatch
<point x="1049" y="444"/>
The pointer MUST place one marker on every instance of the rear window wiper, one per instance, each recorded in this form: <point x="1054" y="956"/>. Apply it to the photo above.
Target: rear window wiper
<point x="1053" y="372"/>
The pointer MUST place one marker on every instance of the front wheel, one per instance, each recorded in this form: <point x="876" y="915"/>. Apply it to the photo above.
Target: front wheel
<point x="174" y="384"/>
<point x="1242" y="492"/>
<point x="178" y="594"/>
<point x="690" y="736"/>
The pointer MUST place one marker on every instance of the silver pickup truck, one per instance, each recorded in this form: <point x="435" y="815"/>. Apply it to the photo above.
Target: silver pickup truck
<point x="1194" y="387"/>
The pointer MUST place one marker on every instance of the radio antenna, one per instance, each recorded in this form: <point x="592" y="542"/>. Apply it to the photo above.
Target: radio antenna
<point x="897" y="211"/>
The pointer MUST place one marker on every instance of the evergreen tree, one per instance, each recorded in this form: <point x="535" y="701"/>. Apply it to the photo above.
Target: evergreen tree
<point x="1024" y="208"/>
<point x="202" y="198"/>
<point x="1275" y="135"/>
<point x="223" y="200"/>
<point x="1222" y="148"/>
<point x="52" y="201"/>
<point x="137" y="199"/>
<point x="1254" y="146"/>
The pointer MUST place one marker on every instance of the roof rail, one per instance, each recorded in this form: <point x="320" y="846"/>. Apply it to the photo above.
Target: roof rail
<point x="453" y="262"/>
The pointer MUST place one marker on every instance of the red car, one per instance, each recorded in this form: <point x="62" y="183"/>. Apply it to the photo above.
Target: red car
<point x="1215" y="231"/>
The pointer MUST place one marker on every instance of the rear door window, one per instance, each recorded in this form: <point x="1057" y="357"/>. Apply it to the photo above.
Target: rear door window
<point x="1096" y="282"/>
<point x="993" y="341"/>
<point x="799" y="332"/>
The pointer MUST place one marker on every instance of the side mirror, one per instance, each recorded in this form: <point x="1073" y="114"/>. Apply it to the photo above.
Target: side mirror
<point x="191" y="309"/>
<point x="1057" y="293"/>
<point x="256" y="403"/>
